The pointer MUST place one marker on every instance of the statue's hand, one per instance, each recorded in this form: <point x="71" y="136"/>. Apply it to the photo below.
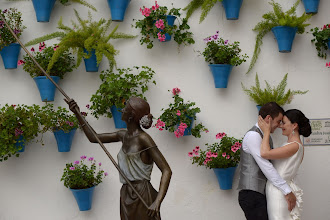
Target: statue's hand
<point x="73" y="106"/>
<point x="154" y="209"/>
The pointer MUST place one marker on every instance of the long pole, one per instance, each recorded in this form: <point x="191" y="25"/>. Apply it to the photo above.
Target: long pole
<point x="69" y="99"/>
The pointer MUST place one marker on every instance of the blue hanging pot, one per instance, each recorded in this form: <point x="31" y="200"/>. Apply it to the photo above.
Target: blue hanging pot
<point x="10" y="55"/>
<point x="170" y="19"/>
<point x="91" y="63"/>
<point x="258" y="107"/>
<point x="311" y="6"/>
<point x="20" y="144"/>
<point x="116" y="114"/>
<point x="46" y="87"/>
<point x="284" y="36"/>
<point x="225" y="177"/>
<point x="84" y="198"/>
<point x="232" y="8"/>
<point x="328" y="43"/>
<point x="187" y="131"/>
<point x="221" y="74"/>
<point x="64" y="140"/>
<point x="43" y="9"/>
<point x="118" y="9"/>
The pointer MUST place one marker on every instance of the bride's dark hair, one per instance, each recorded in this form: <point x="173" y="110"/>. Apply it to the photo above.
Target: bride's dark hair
<point x="296" y="116"/>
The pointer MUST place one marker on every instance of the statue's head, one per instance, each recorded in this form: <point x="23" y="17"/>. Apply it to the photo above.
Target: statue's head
<point x="137" y="110"/>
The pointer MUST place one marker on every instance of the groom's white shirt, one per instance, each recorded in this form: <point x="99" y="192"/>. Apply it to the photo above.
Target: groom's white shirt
<point x="251" y="144"/>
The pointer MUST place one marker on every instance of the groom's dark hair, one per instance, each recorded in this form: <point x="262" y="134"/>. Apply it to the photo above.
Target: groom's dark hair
<point x="272" y="109"/>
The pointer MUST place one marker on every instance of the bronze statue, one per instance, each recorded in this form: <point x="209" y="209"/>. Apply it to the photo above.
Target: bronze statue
<point x="135" y="159"/>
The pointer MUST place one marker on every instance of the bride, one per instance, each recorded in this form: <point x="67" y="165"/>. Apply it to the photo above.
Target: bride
<point x="286" y="160"/>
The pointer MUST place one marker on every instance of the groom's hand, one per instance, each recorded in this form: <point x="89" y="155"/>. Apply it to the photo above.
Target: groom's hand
<point x="291" y="200"/>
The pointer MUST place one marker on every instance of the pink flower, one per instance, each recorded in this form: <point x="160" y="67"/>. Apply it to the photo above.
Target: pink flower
<point x="56" y="47"/>
<point x="228" y="156"/>
<point x="234" y="148"/>
<point x="42" y="46"/>
<point x="206" y="131"/>
<point x="20" y="62"/>
<point x="190" y="154"/>
<point x="72" y="168"/>
<point x="100" y="164"/>
<point x="160" y="24"/>
<point x="182" y="127"/>
<point x="87" y="106"/>
<point x="178" y="113"/>
<point x="224" y="154"/>
<point x="195" y="151"/>
<point x="176" y="91"/>
<point x="146" y="12"/>
<point x="91" y="158"/>
<point x="156" y="5"/>
<point x="160" y="125"/>
<point x="105" y="174"/>
<point x="161" y="37"/>
<point x="32" y="49"/>
<point x="76" y="162"/>
<point x="327" y="64"/>
<point x="209" y="154"/>
<point x="220" y="135"/>
<point x="83" y="157"/>
<point x="197" y="148"/>
<point x="215" y="154"/>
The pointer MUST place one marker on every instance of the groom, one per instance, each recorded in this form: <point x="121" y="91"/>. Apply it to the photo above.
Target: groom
<point x="255" y="170"/>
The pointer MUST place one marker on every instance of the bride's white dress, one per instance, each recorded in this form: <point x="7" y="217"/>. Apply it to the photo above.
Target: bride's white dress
<point x="276" y="204"/>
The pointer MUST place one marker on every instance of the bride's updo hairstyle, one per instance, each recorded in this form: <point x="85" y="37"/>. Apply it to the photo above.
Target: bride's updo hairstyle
<point x="141" y="110"/>
<point x="296" y="116"/>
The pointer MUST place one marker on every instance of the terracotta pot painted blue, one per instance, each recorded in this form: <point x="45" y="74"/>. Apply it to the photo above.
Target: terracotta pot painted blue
<point x="225" y="177"/>
<point x="118" y="9"/>
<point x="221" y="74"/>
<point x="10" y="55"/>
<point x="258" y="107"/>
<point x="284" y="36"/>
<point x="84" y="198"/>
<point x="116" y="114"/>
<point x="43" y="9"/>
<point x="91" y="63"/>
<point x="187" y="131"/>
<point x="311" y="6"/>
<point x="46" y="87"/>
<point x="20" y="144"/>
<point x="232" y="8"/>
<point x="64" y="140"/>
<point x="170" y="19"/>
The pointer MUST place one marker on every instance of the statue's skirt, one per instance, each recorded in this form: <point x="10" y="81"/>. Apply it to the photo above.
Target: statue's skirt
<point x="131" y="208"/>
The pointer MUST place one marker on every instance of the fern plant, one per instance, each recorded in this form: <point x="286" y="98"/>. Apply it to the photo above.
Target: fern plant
<point x="87" y="34"/>
<point x="278" y="18"/>
<point x="67" y="2"/>
<point x="206" y="6"/>
<point x="271" y="94"/>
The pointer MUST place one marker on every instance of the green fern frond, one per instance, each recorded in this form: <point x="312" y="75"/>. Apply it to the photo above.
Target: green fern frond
<point x="83" y="2"/>
<point x="206" y="8"/>
<point x="45" y="38"/>
<point x="192" y="7"/>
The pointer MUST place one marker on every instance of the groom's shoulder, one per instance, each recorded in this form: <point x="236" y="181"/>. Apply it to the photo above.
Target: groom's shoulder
<point x="251" y="135"/>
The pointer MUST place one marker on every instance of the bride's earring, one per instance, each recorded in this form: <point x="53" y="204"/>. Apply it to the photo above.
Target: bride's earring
<point x="292" y="132"/>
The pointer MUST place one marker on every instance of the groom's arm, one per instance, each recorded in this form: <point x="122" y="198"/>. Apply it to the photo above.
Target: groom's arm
<point x="251" y="144"/>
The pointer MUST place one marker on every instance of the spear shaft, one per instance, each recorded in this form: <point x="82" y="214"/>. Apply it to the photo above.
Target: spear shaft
<point x="67" y="100"/>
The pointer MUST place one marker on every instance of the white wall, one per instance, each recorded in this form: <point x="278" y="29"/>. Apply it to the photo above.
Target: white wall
<point x="30" y="186"/>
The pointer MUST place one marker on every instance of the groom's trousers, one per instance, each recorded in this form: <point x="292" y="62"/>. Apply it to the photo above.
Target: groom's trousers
<point x="254" y="205"/>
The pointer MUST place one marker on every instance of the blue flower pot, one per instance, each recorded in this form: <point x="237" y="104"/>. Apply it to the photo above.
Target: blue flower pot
<point x="46" y="87"/>
<point x="116" y="114"/>
<point x="284" y="36"/>
<point x="170" y="19"/>
<point x="64" y="140"/>
<point x="221" y="74"/>
<point x="91" y="63"/>
<point x="20" y="144"/>
<point x="225" y="177"/>
<point x="187" y="131"/>
<point x="232" y="8"/>
<point x="84" y="198"/>
<point x="258" y="107"/>
<point x="311" y="6"/>
<point x="328" y="43"/>
<point x="10" y="55"/>
<point x="118" y="9"/>
<point x="43" y="9"/>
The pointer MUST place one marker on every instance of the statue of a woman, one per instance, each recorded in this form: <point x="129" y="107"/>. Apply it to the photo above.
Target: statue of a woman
<point x="135" y="159"/>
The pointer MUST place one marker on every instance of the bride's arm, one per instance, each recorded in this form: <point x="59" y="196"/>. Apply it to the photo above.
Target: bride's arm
<point x="278" y="153"/>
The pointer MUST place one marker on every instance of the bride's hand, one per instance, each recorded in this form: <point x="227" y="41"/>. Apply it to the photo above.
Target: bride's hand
<point x="264" y="126"/>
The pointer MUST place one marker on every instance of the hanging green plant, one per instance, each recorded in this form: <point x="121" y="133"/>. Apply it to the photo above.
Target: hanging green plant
<point x="271" y="94"/>
<point x="277" y="18"/>
<point x="321" y="40"/>
<point x="87" y="34"/>
<point x="205" y="5"/>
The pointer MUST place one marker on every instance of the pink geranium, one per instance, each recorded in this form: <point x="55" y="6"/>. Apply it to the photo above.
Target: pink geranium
<point x="160" y="24"/>
<point x="161" y="37"/>
<point x="220" y="135"/>
<point x="176" y="91"/>
<point x="178" y="113"/>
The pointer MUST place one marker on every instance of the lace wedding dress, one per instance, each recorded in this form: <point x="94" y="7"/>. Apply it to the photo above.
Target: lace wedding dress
<point x="276" y="203"/>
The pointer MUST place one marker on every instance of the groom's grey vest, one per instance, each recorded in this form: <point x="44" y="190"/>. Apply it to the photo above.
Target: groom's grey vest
<point x="251" y="177"/>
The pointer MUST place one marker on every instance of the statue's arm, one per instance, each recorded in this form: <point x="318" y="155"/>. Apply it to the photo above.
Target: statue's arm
<point x="89" y="131"/>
